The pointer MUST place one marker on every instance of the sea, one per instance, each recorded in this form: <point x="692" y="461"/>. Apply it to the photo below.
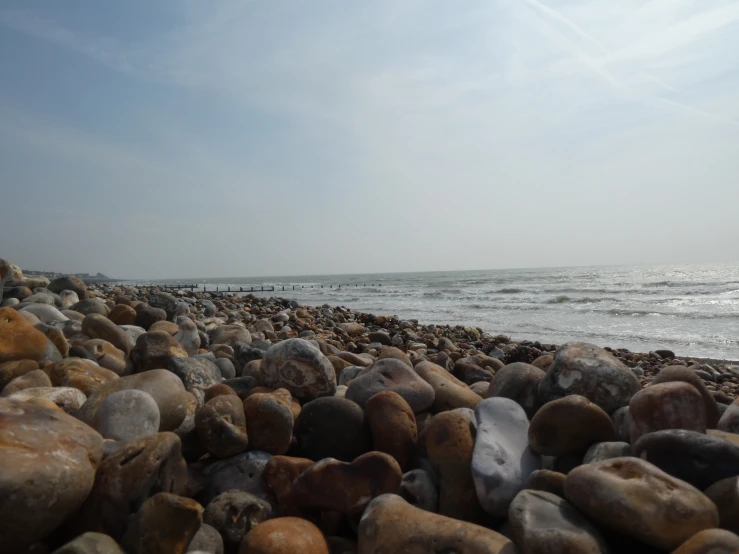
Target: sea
<point x="690" y="309"/>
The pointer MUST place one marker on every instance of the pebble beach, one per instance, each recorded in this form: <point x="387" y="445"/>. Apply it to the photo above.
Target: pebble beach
<point x="144" y="421"/>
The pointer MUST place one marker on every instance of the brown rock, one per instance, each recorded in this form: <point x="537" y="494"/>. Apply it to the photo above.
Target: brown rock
<point x="109" y="357"/>
<point x="543" y="362"/>
<point x="733" y="438"/>
<point x="449" y="443"/>
<point x="393" y="352"/>
<point x="338" y="364"/>
<point x="449" y="392"/>
<point x="81" y="374"/>
<point x="284" y="535"/>
<point x="710" y="541"/>
<point x="165" y="524"/>
<point x="219" y="390"/>
<point x="97" y="326"/>
<point x="123" y="315"/>
<point x="363" y="360"/>
<point x="676" y="373"/>
<point x="146" y="315"/>
<point x="392" y="526"/>
<point x="725" y="495"/>
<point x="729" y="421"/>
<point x="47" y="459"/>
<point x="168" y="327"/>
<point x="548" y="481"/>
<point x="69" y="282"/>
<point x="343" y="487"/>
<point x="32" y="379"/>
<point x="269" y="421"/>
<point x="672" y="405"/>
<point x="635" y="498"/>
<point x="569" y="426"/>
<point x="393" y="426"/>
<point x="20" y="341"/>
<point x="519" y="382"/>
<point x="16" y="368"/>
<point x="154" y="349"/>
<point x="133" y="473"/>
<point x="352" y="329"/>
<point x="280" y="474"/>
<point x="221" y="426"/>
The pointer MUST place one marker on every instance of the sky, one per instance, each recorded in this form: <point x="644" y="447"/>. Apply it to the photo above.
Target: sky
<point x="183" y="138"/>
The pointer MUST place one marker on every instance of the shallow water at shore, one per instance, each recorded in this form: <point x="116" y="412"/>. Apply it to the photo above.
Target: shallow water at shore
<point x="691" y="309"/>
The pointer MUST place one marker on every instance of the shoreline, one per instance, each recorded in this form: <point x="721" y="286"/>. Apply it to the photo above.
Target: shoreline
<point x="336" y="422"/>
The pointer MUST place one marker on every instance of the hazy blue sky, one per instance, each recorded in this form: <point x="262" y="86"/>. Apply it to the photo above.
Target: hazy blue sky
<point x="192" y="138"/>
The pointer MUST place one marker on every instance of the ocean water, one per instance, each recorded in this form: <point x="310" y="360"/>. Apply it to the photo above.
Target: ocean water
<point x="691" y="309"/>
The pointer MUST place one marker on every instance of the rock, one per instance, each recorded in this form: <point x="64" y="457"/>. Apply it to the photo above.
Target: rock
<point x="548" y="481"/>
<point x="519" y="382"/>
<point x="221" y="426"/>
<point x="349" y="373"/>
<point x="284" y="535"/>
<point x="231" y="334"/>
<point x="81" y="374"/>
<point x="605" y="451"/>
<point x="137" y="470"/>
<point x="108" y="356"/>
<point x="622" y="422"/>
<point x="226" y="366"/>
<point x="47" y="458"/>
<point x="699" y="459"/>
<point x="197" y="374"/>
<point x="127" y="415"/>
<point x="300" y="367"/>
<point x="393" y="426"/>
<point x="269" y="421"/>
<point x="637" y="499"/>
<point x="502" y="461"/>
<point x="352" y="329"/>
<point x="585" y="369"/>
<point x="729" y="421"/>
<point x="279" y="473"/>
<point x="17" y="368"/>
<point x="330" y="485"/>
<point x="164" y="301"/>
<point x="449" y="392"/>
<point x="391" y="525"/>
<point x="243" y="472"/>
<point x="123" y="315"/>
<point x="20" y="341"/>
<point x="332" y="427"/>
<point x="725" y="495"/>
<point x="569" y="425"/>
<point x="449" y="443"/>
<point x="417" y="487"/>
<point x="188" y="336"/>
<point x="165" y="524"/>
<point x="146" y="315"/>
<point x="90" y="543"/>
<point x="40" y="298"/>
<point x="544" y="522"/>
<point x="207" y="541"/>
<point x="673" y="405"/>
<point x="675" y="373"/>
<point x="164" y="387"/>
<point x="97" y="326"/>
<point x="394" y="375"/>
<point x="710" y="541"/>
<point x="219" y="390"/>
<point x="33" y="379"/>
<point x="154" y="350"/>
<point x="69" y="299"/>
<point x="71" y="283"/>
<point x="469" y="372"/>
<point x="234" y="513"/>
<point x="45" y="313"/>
<point x="89" y="306"/>
<point x="67" y="398"/>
